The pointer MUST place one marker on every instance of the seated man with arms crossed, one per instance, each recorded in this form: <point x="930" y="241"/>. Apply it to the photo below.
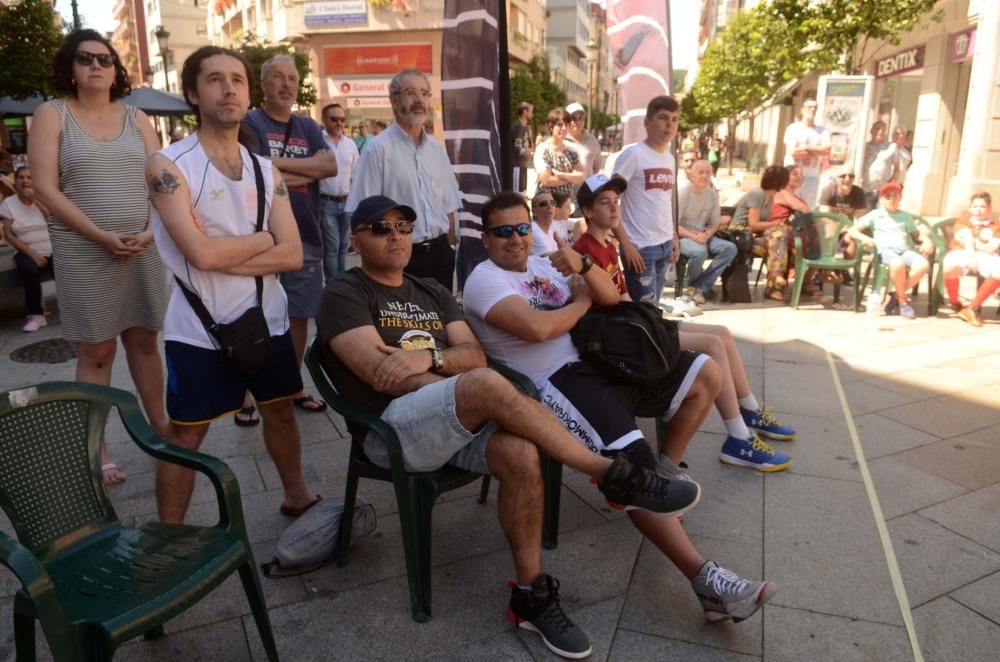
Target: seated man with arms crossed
<point x="975" y="248"/>
<point x="743" y="417"/>
<point x="698" y="217"/>
<point x="522" y="307"/>
<point x="397" y="346"/>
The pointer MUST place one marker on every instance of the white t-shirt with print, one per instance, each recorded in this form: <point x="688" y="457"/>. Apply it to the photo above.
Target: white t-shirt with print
<point x="647" y="204"/>
<point x="543" y="288"/>
<point x="798" y="133"/>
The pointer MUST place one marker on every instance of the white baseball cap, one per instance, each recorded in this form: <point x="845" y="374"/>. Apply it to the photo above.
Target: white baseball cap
<point x="575" y="107"/>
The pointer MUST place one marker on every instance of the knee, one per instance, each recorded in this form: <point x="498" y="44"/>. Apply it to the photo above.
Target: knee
<point x="97" y="354"/>
<point x="695" y="252"/>
<point x="726" y="248"/>
<point x="187" y="436"/>
<point x="140" y="340"/>
<point x="709" y="380"/>
<point x="513" y="458"/>
<point x="486" y="385"/>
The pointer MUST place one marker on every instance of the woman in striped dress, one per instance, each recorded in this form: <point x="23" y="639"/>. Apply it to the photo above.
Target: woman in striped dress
<point x="88" y="156"/>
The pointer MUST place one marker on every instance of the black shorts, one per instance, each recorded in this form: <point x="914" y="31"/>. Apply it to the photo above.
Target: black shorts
<point x="201" y="387"/>
<point x="601" y="412"/>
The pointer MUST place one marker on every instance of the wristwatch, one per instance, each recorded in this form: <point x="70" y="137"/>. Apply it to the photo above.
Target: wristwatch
<point x="437" y="360"/>
<point x="587" y="264"/>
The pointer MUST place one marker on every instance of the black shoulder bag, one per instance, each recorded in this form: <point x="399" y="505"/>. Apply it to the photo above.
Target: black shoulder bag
<point x="630" y="342"/>
<point x="246" y="341"/>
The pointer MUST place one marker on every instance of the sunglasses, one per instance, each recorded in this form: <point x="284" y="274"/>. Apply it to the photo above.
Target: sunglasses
<point x="84" y="58"/>
<point x="544" y="203"/>
<point x="507" y="231"/>
<point x="384" y="227"/>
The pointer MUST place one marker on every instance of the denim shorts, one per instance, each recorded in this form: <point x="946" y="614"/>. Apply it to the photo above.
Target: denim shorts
<point x="430" y="433"/>
<point x="908" y="257"/>
<point x="304" y="287"/>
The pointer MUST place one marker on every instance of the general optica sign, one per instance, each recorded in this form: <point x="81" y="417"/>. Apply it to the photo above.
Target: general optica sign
<point x="909" y="60"/>
<point x="341" y="60"/>
<point x="359" y="87"/>
<point x="338" y="13"/>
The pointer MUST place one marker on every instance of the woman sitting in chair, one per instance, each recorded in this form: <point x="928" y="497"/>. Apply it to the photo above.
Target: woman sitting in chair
<point x="775" y="230"/>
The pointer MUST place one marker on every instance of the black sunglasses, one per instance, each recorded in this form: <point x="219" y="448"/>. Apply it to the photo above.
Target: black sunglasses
<point x="384" y="227"/>
<point x="84" y="58"/>
<point x="507" y="231"/>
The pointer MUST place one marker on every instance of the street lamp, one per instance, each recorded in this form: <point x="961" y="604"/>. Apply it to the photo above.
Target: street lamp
<point x="162" y="39"/>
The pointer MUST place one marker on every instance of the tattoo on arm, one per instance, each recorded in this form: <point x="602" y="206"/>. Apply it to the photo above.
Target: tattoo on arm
<point x="280" y="189"/>
<point x="165" y="183"/>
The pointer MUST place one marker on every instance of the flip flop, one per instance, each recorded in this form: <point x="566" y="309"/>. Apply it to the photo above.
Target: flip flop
<point x="299" y="512"/>
<point x="111" y="466"/>
<point x="250" y="417"/>
<point x="318" y="405"/>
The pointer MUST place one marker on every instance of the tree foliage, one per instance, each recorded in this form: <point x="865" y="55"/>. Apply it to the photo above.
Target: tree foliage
<point x="29" y="40"/>
<point x="257" y="52"/>
<point x="534" y="85"/>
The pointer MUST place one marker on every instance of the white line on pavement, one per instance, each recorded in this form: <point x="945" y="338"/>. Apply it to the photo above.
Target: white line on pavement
<point x="883" y="532"/>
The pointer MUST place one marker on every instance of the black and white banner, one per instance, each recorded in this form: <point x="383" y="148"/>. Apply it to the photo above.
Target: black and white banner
<point x="470" y="96"/>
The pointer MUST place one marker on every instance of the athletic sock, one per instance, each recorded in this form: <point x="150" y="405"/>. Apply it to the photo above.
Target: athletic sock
<point x="951" y="285"/>
<point x="989" y="286"/>
<point x="735" y="427"/>
<point x="749" y="402"/>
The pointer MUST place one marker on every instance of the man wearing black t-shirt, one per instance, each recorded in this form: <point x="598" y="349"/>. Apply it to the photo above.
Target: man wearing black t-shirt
<point x="845" y="198"/>
<point x="397" y="346"/>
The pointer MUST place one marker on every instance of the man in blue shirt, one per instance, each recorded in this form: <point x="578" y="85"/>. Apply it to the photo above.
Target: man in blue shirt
<point x="407" y="164"/>
<point x="296" y="146"/>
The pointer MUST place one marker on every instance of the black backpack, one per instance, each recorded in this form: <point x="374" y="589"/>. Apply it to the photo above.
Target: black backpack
<point x="630" y="342"/>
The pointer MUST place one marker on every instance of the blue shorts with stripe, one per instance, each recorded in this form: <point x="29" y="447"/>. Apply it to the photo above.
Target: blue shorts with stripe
<point x="202" y="387"/>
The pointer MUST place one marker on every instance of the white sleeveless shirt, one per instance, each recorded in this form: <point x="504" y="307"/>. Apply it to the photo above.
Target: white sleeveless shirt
<point x="228" y="208"/>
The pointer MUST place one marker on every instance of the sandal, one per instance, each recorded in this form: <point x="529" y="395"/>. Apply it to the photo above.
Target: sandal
<point x="246" y="417"/>
<point x="112" y="474"/>
<point x="775" y="294"/>
<point x="309" y="403"/>
<point x="289" y="511"/>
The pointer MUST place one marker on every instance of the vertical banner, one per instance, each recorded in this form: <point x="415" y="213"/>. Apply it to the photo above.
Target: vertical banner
<point x="470" y="98"/>
<point x="638" y="31"/>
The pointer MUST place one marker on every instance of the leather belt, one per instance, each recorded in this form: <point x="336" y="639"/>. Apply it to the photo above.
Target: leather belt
<point x="426" y="246"/>
<point x="335" y="198"/>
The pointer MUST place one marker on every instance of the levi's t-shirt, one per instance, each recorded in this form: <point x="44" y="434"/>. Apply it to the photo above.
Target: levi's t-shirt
<point x="304" y="141"/>
<point x="647" y="205"/>
<point x="412" y="316"/>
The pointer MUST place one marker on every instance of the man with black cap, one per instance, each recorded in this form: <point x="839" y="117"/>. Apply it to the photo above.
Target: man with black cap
<point x="397" y="346"/>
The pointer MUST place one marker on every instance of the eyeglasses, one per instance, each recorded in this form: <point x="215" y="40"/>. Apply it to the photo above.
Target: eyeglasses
<point x="413" y="92"/>
<point x="507" y="231"/>
<point x="544" y="203"/>
<point x="385" y="226"/>
<point x="84" y="58"/>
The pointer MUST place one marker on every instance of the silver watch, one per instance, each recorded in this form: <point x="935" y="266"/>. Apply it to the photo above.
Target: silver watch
<point x="437" y="360"/>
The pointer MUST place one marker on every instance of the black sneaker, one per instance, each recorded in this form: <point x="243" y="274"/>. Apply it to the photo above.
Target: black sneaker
<point x="627" y="486"/>
<point x="892" y="306"/>
<point x="539" y="610"/>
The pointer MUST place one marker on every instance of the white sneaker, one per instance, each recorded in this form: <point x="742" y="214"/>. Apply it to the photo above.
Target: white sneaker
<point x="724" y="594"/>
<point x="874" y="304"/>
<point x="33" y="323"/>
<point x="696" y="295"/>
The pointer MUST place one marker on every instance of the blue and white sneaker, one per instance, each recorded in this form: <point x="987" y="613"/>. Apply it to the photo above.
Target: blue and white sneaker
<point x="753" y="453"/>
<point x="764" y="422"/>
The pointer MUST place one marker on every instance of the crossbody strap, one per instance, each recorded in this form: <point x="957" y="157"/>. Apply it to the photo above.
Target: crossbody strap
<point x="193" y="299"/>
<point x="288" y="135"/>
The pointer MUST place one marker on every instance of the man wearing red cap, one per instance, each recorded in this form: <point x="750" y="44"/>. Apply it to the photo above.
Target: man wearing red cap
<point x="892" y="234"/>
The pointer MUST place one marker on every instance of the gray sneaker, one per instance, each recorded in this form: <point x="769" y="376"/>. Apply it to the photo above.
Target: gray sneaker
<point x="666" y="468"/>
<point x="724" y="594"/>
<point x="539" y="611"/>
<point x="628" y="486"/>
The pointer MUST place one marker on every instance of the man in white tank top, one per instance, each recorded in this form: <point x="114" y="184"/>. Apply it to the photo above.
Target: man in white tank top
<point x="204" y="197"/>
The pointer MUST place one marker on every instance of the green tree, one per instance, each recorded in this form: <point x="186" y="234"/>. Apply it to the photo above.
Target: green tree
<point x="257" y="52"/>
<point x="836" y="34"/>
<point x="534" y="85"/>
<point x="29" y="40"/>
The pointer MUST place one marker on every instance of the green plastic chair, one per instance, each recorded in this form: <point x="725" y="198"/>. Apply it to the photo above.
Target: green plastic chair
<point x="881" y="271"/>
<point x="828" y="228"/>
<point x="92" y="583"/>
<point x="416" y="493"/>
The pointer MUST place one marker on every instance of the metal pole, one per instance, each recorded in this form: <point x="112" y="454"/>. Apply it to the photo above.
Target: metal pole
<point x="166" y="75"/>
<point x="503" y="99"/>
<point x="76" y="16"/>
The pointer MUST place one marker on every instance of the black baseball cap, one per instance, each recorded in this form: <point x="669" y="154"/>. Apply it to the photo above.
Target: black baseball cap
<point x="593" y="185"/>
<point x="371" y="210"/>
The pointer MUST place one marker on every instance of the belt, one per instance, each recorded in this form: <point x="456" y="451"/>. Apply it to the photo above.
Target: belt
<point x="426" y="246"/>
<point x="335" y="198"/>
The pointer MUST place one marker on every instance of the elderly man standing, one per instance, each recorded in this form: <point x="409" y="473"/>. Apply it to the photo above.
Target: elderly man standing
<point x="407" y="164"/>
<point x="333" y="191"/>
<point x="698" y="216"/>
<point x="296" y="146"/>
<point x="583" y="142"/>
<point x="807" y="145"/>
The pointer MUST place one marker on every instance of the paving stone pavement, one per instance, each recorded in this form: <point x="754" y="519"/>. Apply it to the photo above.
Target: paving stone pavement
<point x="923" y="396"/>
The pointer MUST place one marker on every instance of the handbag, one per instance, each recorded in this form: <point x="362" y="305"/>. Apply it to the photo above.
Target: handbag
<point x="630" y="342"/>
<point x="742" y="238"/>
<point x="246" y="341"/>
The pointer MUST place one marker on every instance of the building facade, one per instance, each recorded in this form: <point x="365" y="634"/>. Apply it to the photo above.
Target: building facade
<point x="567" y="33"/>
<point x="185" y="21"/>
<point x="132" y="49"/>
